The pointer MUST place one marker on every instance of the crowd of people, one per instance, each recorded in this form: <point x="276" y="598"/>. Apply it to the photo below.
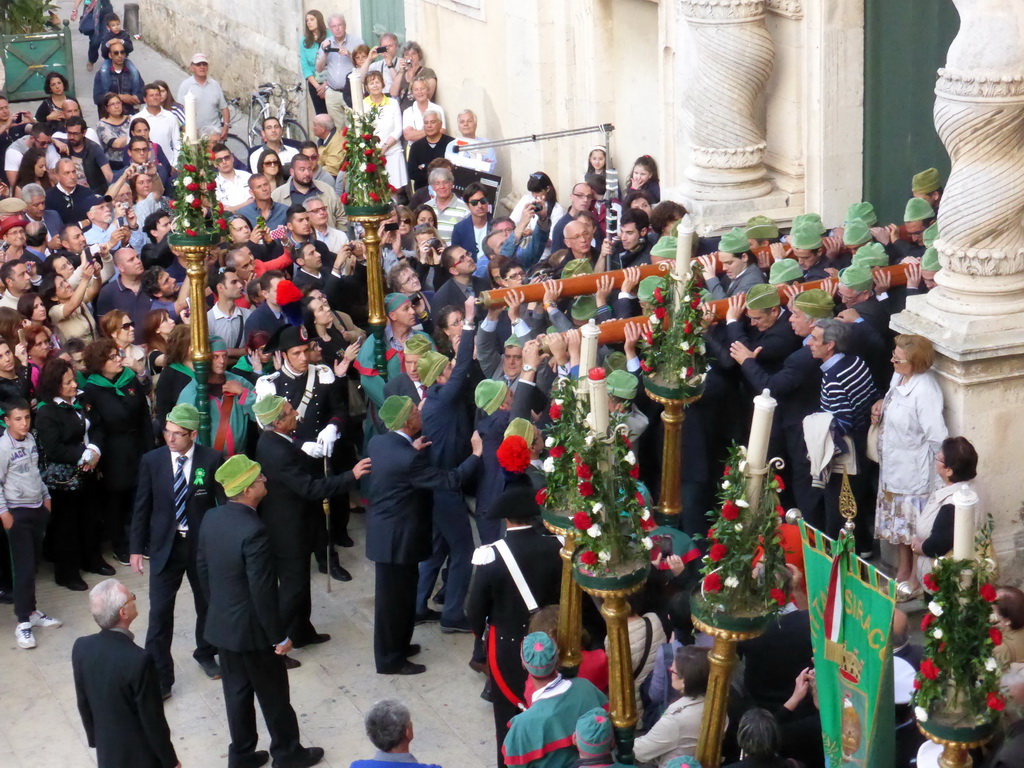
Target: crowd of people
<point x="96" y="371"/>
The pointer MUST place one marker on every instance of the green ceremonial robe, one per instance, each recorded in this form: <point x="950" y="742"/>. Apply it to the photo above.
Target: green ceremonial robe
<point x="541" y="737"/>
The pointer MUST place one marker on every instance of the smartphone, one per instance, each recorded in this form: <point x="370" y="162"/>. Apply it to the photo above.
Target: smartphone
<point x="391" y="227"/>
<point x="380" y="49"/>
<point x="122" y="222"/>
<point x="21" y="335"/>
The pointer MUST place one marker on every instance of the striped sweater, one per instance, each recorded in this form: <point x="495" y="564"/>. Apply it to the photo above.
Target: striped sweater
<point x="847" y="392"/>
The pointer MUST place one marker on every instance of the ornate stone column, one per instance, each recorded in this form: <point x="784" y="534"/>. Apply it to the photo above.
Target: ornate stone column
<point x="975" y="317"/>
<point x="731" y="61"/>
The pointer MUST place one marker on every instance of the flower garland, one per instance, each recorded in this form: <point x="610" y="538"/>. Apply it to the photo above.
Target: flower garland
<point x="365" y="175"/>
<point x="195" y="197"/>
<point x="959" y="672"/>
<point x="672" y="346"/>
<point x="745" y="567"/>
<point x="564" y="440"/>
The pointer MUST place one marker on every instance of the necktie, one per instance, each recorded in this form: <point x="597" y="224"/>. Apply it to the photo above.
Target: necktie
<point x="180" y="491"/>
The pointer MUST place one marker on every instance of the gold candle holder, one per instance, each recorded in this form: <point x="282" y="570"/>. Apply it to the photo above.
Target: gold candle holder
<point x="195" y="267"/>
<point x="670" y="502"/>
<point x="371" y="220"/>
<point x="570" y="612"/>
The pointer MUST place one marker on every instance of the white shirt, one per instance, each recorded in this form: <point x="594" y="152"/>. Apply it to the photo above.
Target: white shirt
<point x="286" y="154"/>
<point x="333" y="238"/>
<point x="189" y="454"/>
<point x="413" y="118"/>
<point x="164" y="130"/>
<point x="234" y="191"/>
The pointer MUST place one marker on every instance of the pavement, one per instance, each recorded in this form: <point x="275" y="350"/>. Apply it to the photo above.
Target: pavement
<point x="330" y="692"/>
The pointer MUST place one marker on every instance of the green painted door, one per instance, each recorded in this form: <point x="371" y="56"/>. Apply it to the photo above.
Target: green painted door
<point x="905" y="42"/>
<point x="27" y="58"/>
<point x="380" y="16"/>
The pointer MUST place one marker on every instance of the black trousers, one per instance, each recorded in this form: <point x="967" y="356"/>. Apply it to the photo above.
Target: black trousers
<point x="73" y="534"/>
<point x="319" y="105"/>
<point x="25" y="537"/>
<point x="394" y="614"/>
<point x="809" y="500"/>
<point x="294" y="598"/>
<point x="261" y="673"/>
<point x="117" y="517"/>
<point x="163" y="589"/>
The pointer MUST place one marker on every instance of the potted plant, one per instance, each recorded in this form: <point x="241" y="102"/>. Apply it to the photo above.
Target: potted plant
<point x="672" y="350"/>
<point x="368" y="193"/>
<point x="564" y="440"/>
<point x="198" y="217"/>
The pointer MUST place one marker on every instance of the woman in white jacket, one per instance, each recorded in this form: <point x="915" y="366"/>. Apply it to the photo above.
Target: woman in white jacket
<point x="676" y="732"/>
<point x="910" y="436"/>
<point x="387" y="127"/>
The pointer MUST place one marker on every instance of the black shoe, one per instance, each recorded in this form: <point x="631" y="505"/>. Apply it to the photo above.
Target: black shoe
<point x="357" y="510"/>
<point x="74" y="584"/>
<point x="344" y="540"/>
<point x="305" y="758"/>
<point x="459" y="626"/>
<point x="429" y="617"/>
<point x="290" y="663"/>
<point x="6" y="597"/>
<point x="439" y="597"/>
<point x="314" y="639"/>
<point x="340" y="574"/>
<point x="165" y="692"/>
<point x="123" y="558"/>
<point x="407" y="669"/>
<point x="210" y="667"/>
<point x="257" y="759"/>
<point x="100" y="567"/>
<point x="478" y="666"/>
<point x="486" y="694"/>
<point x="413" y="649"/>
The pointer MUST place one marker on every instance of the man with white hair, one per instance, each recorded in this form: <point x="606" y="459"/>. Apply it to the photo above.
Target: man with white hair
<point x="387" y="64"/>
<point x="483" y="160"/>
<point x="335" y="59"/>
<point x="389" y="728"/>
<point x="449" y="208"/>
<point x="117" y="689"/>
<point x="431" y="146"/>
<point x="330" y="141"/>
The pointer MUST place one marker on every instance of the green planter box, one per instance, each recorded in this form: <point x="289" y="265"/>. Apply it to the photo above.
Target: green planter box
<point x="27" y="59"/>
<point x="176" y="238"/>
<point x="976" y="734"/>
<point x="706" y="613"/>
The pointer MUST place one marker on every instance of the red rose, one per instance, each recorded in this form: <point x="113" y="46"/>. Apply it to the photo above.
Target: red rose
<point x="384" y="161"/>
<point x="779" y="510"/>
<point x="995" y="701"/>
<point x="586" y="489"/>
<point x="712" y="582"/>
<point x="190" y="168"/>
<point x="730" y="511"/>
<point x="190" y="232"/>
<point x="660" y="313"/>
<point x="588" y="558"/>
<point x="649" y="336"/>
<point x="634" y="471"/>
<point x="210" y="186"/>
<point x="927" y="621"/>
<point x="368" y="152"/>
<point x="174" y="204"/>
<point x="583" y="472"/>
<point x="695" y="303"/>
<point x="718" y="551"/>
<point x="367" y="136"/>
<point x="197" y="203"/>
<point x="344" y="131"/>
<point x="541" y="497"/>
<point x="555" y="411"/>
<point x="344" y="198"/>
<point x="688" y="327"/>
<point x="929" y="583"/>
<point x="557" y="451"/>
<point x="779" y="596"/>
<point x="375" y="197"/>
<point x="371" y="168"/>
<point x="988" y="593"/>
<point x="639" y="498"/>
<point x="345" y="166"/>
<point x="995" y="635"/>
<point x="222" y="223"/>
<point x="727" y="471"/>
<point x="917" y="684"/>
<point x="929" y="669"/>
<point x="689" y="372"/>
<point x="658" y="297"/>
<point x="193" y="187"/>
<point x="649" y="524"/>
<point x="942" y="647"/>
<point x="645" y="367"/>
<point x="220" y="207"/>
<point x="582" y="521"/>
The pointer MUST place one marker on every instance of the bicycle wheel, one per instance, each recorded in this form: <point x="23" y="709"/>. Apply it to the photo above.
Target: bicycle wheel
<point x="294" y="131"/>
<point x="238" y="148"/>
<point x="258" y="109"/>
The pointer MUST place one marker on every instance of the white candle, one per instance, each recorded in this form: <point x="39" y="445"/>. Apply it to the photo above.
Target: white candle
<point x="588" y="347"/>
<point x="598" y="401"/>
<point x="355" y="81"/>
<point x="965" y="502"/>
<point x="191" y="127"/>
<point x="684" y="247"/>
<point x="757" y="445"/>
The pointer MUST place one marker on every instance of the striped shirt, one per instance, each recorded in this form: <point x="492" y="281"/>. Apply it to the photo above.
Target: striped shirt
<point x="847" y="392"/>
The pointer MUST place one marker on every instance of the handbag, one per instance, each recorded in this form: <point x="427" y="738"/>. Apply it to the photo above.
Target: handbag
<point x="87" y="24"/>
<point x="62" y="477"/>
<point x="871" y="450"/>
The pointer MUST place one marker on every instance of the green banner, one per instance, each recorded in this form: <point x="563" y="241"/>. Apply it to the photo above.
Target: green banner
<point x="852" y="653"/>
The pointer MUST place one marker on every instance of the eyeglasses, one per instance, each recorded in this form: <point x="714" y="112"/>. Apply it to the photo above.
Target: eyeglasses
<point x="222" y="158"/>
<point x="896" y="361"/>
<point x="408" y="222"/>
<point x="117" y="53"/>
<point x="479" y="201"/>
<point x="113" y="356"/>
<point x="173" y="433"/>
<point x="271" y="162"/>
<point x="585" y="197"/>
<point x="321" y="209"/>
<point x="127" y="325"/>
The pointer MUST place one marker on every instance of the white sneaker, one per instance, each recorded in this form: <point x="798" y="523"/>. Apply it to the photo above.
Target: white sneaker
<point x="23" y="634"/>
<point x="40" y="619"/>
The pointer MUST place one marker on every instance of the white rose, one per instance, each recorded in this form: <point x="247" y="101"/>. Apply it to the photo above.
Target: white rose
<point x="994" y="618"/>
<point x="726" y="485"/>
<point x="738" y="527"/>
<point x="921" y="714"/>
<point x="646" y="514"/>
<point x="549" y="442"/>
<point x="937" y="634"/>
<point x="189" y="198"/>
<point x="604" y="557"/>
<point x="548" y="466"/>
<point x="654" y="320"/>
<point x="732" y="582"/>
<point x="589" y="441"/>
<point x="629" y="458"/>
<point x="935" y="608"/>
<point x="647" y="542"/>
<point x="743" y="467"/>
<point x="701" y="349"/>
<point x="559" y="402"/>
<point x="742" y="503"/>
<point x="594" y="530"/>
<point x="598" y="506"/>
<point x="685" y="346"/>
<point x="991" y="664"/>
<point x="187" y="180"/>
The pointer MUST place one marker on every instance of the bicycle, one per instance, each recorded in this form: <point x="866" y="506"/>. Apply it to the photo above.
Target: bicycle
<point x="260" y="108"/>
<point x="235" y="143"/>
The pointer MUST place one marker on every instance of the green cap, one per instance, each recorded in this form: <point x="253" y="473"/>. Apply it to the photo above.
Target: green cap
<point x="764" y="296"/>
<point x="871" y="255"/>
<point x="931" y="235"/>
<point x="930" y="261"/>
<point x="810" y="219"/>
<point x="785" y="271"/>
<point x="645" y="291"/>
<point x="918" y="210"/>
<point x="418" y="344"/>
<point x="489" y="395"/>
<point x="577" y="267"/>
<point x="185" y="416"/>
<point x="665" y="248"/>
<point x="762" y="228"/>
<point x="513" y="341"/>
<point x="521" y="428"/>
<point x="594" y="736"/>
<point x="814" y="303"/>
<point x="856" y="278"/>
<point x="615" y="361"/>
<point x="267" y="409"/>
<point x="925" y="182"/>
<point x="395" y="411"/>
<point x="393" y="301"/>
<point x="734" y="241"/>
<point x="805" y="237"/>
<point x="236" y="474"/>
<point x="430" y="366"/>
<point x="622" y="384"/>
<point x="863" y="211"/>
<point x="539" y="654"/>
<point x="856" y="233"/>
<point x="217" y="344"/>
<point x="584" y="308"/>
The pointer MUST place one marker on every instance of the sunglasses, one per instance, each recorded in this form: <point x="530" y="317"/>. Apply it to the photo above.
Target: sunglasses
<point x="479" y="201"/>
<point x="126" y="326"/>
<point x="271" y="162"/>
<point x="222" y="158"/>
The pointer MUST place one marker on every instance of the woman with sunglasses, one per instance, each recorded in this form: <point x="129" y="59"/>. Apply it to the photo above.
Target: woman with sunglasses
<point x="67" y="301"/>
<point x="117" y="325"/>
<point x="270" y="165"/>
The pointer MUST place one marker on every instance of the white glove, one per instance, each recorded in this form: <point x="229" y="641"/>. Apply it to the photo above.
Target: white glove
<point x="326" y="439"/>
<point x="264" y="387"/>
<point x="87" y="457"/>
<point x="313" y="449"/>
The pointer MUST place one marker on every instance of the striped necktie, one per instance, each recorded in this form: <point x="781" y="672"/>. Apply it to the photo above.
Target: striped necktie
<point x="180" y="491"/>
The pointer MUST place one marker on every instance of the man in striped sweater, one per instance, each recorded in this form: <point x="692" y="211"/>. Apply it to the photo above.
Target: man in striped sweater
<point x="847" y="392"/>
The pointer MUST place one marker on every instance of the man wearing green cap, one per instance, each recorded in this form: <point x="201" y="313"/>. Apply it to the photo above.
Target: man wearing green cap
<point x="761" y="231"/>
<point x="494" y="400"/>
<point x="908" y="240"/>
<point x="927" y="185"/>
<point x="175" y="491"/>
<point x="809" y="251"/>
<point x="230" y="399"/>
<point x="501" y="364"/>
<point x="408" y="381"/>
<point x="236" y="572"/>
<point x="856" y="291"/>
<point x="785" y="272"/>
<point x="863" y="211"/>
<point x="622" y="391"/>
<point x="736" y="260"/>
<point x="399" y="526"/>
<point x="595" y="739"/>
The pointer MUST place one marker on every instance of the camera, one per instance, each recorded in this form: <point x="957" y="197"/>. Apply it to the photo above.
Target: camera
<point x="332" y="49"/>
<point x="138" y="167"/>
<point x="435" y="244"/>
<point x="380" y="49"/>
<point x="91" y="252"/>
<point x="122" y="222"/>
<point x="408" y="62"/>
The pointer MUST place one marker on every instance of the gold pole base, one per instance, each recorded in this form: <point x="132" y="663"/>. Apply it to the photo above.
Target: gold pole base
<point x="570" y="614"/>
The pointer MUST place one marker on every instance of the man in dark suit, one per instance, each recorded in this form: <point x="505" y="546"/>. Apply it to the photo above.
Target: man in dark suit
<point x="236" y="571"/>
<point x="458" y="262"/>
<point x="398" y="527"/>
<point x="408" y="382"/>
<point x="175" y="490"/>
<point x="117" y="687"/>
<point x="290" y="509"/>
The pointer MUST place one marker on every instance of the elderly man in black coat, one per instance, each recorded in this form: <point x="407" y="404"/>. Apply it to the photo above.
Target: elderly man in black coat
<point x="399" y="524"/>
<point x="118" y="689"/>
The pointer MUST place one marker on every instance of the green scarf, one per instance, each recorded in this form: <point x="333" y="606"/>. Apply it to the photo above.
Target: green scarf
<point x="74" y="405"/>
<point x="183" y="369"/>
<point x="102" y="381"/>
<point x="243" y="364"/>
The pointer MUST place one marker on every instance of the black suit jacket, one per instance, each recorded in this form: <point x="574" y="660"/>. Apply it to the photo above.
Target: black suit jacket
<point x="773" y="660"/>
<point x="399" y="516"/>
<point x="288" y="510"/>
<point x="154" y="522"/>
<point x="237" y="574"/>
<point x="120" y="703"/>
<point x="451" y="293"/>
<point x="402" y="385"/>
